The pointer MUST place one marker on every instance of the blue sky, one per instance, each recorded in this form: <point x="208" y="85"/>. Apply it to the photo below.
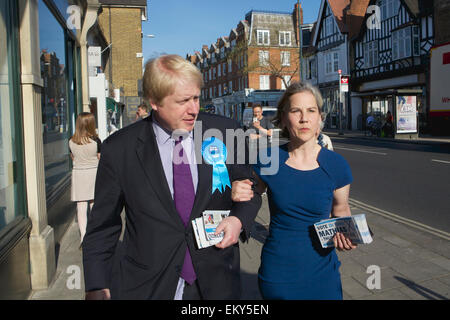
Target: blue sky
<point x="182" y="27"/>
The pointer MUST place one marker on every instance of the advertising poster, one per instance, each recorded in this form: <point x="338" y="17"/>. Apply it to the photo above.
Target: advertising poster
<point x="406" y="114"/>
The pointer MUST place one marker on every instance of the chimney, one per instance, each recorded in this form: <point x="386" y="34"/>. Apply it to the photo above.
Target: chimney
<point x="295" y="14"/>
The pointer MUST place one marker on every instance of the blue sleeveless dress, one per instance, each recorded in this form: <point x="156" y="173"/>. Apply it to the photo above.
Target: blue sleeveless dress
<point x="293" y="263"/>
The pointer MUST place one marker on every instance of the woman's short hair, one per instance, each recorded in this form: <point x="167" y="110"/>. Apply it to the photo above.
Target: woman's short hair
<point x="162" y="74"/>
<point x="284" y="102"/>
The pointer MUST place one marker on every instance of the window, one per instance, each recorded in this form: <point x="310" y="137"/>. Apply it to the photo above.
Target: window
<point x="218" y="70"/>
<point x="371" y="54"/>
<point x="220" y="90"/>
<point x="229" y="65"/>
<point x="224" y="68"/>
<point x="55" y="102"/>
<point x="263" y="37"/>
<point x="329" y="26"/>
<point x="230" y="86"/>
<point x="285" y="58"/>
<point x="12" y="188"/>
<point x="285" y="38"/>
<point x="331" y="62"/>
<point x="263" y="58"/>
<point x="264" y="83"/>
<point x="311" y="69"/>
<point x="389" y="8"/>
<point x="405" y="43"/>
<point x="287" y="80"/>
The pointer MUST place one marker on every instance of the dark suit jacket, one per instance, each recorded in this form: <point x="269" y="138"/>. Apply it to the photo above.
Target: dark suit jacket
<point x="130" y="175"/>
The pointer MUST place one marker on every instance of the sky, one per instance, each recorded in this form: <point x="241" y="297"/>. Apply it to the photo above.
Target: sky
<point x="182" y="27"/>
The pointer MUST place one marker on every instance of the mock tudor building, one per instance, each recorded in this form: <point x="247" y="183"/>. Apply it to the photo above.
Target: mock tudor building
<point x="330" y="39"/>
<point x="389" y="65"/>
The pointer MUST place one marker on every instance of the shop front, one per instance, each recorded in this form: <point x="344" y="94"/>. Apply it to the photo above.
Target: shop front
<point x="40" y="91"/>
<point x="390" y="113"/>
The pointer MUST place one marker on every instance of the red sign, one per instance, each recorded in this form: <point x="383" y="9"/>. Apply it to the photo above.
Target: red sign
<point x="446" y="58"/>
<point x="344" y="80"/>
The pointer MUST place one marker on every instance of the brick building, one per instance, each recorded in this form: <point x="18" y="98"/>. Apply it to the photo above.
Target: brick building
<point x="121" y="25"/>
<point x="253" y="64"/>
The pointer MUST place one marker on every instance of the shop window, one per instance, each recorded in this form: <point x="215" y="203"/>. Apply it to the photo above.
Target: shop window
<point x="12" y="191"/>
<point x="55" y="102"/>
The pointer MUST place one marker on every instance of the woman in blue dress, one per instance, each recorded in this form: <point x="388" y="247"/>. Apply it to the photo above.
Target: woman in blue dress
<point x="311" y="184"/>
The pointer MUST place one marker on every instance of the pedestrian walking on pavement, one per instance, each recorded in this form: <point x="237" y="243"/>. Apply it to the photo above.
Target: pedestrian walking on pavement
<point x="311" y="183"/>
<point x="85" y="153"/>
<point x="148" y="170"/>
<point x="322" y="139"/>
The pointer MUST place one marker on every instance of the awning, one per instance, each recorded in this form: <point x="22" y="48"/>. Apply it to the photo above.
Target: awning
<point x="397" y="92"/>
<point x="111" y="104"/>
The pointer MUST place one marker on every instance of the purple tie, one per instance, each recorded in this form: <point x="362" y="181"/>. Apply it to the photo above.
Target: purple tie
<point x="183" y="195"/>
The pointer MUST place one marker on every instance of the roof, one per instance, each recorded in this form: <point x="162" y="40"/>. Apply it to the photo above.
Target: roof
<point x="338" y="7"/>
<point x="355" y="17"/>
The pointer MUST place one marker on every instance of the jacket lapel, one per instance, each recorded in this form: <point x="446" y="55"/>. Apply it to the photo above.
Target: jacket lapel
<point x="148" y="155"/>
<point x="204" y="186"/>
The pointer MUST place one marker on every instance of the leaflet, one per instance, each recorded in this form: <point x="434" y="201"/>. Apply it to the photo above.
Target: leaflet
<point x="205" y="227"/>
<point x="354" y="227"/>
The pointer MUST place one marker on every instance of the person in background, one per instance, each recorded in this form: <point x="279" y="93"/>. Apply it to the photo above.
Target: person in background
<point x="311" y="183"/>
<point x="85" y="149"/>
<point x="261" y="125"/>
<point x="322" y="139"/>
<point x="142" y="112"/>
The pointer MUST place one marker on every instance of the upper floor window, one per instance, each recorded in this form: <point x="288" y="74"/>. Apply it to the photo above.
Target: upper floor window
<point x="371" y="54"/>
<point x="329" y="26"/>
<point x="389" y="8"/>
<point x="285" y="38"/>
<point x="285" y="58"/>
<point x="331" y="62"/>
<point x="405" y="43"/>
<point x="263" y="37"/>
<point x="263" y="58"/>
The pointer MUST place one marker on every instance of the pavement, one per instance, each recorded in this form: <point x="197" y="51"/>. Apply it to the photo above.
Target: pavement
<point x="412" y="260"/>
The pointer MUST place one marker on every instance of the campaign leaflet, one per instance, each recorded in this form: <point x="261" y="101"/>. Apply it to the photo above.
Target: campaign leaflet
<point x="205" y="227"/>
<point x="354" y="227"/>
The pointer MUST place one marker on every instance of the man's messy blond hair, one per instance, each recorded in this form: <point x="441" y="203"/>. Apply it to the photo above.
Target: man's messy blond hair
<point x="162" y="74"/>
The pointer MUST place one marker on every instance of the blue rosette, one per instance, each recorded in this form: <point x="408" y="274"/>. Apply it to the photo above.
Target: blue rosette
<point x="214" y="152"/>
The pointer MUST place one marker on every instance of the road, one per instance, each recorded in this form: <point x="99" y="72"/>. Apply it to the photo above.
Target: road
<point x="408" y="180"/>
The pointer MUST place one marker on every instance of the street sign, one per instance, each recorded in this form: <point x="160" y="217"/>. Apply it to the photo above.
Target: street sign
<point x="344" y="83"/>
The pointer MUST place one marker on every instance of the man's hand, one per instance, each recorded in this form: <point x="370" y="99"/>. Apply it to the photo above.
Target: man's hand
<point x="102" y="294"/>
<point x="257" y="124"/>
<point x="241" y="190"/>
<point x="231" y="226"/>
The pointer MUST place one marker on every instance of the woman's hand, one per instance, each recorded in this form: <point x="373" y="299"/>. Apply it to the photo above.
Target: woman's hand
<point x="241" y="190"/>
<point x="341" y="242"/>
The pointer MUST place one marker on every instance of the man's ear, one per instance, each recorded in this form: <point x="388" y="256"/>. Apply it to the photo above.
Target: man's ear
<point x="154" y="105"/>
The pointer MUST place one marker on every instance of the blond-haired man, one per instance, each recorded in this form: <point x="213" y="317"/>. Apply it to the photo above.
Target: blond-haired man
<point x="161" y="196"/>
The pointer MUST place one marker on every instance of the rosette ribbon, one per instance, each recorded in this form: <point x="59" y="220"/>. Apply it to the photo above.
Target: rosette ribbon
<point x="215" y="153"/>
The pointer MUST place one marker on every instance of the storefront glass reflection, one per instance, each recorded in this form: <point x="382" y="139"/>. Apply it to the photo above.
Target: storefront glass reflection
<point x="55" y="121"/>
<point x="11" y="182"/>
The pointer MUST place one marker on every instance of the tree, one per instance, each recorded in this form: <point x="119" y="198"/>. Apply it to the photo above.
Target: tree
<point x="258" y="59"/>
